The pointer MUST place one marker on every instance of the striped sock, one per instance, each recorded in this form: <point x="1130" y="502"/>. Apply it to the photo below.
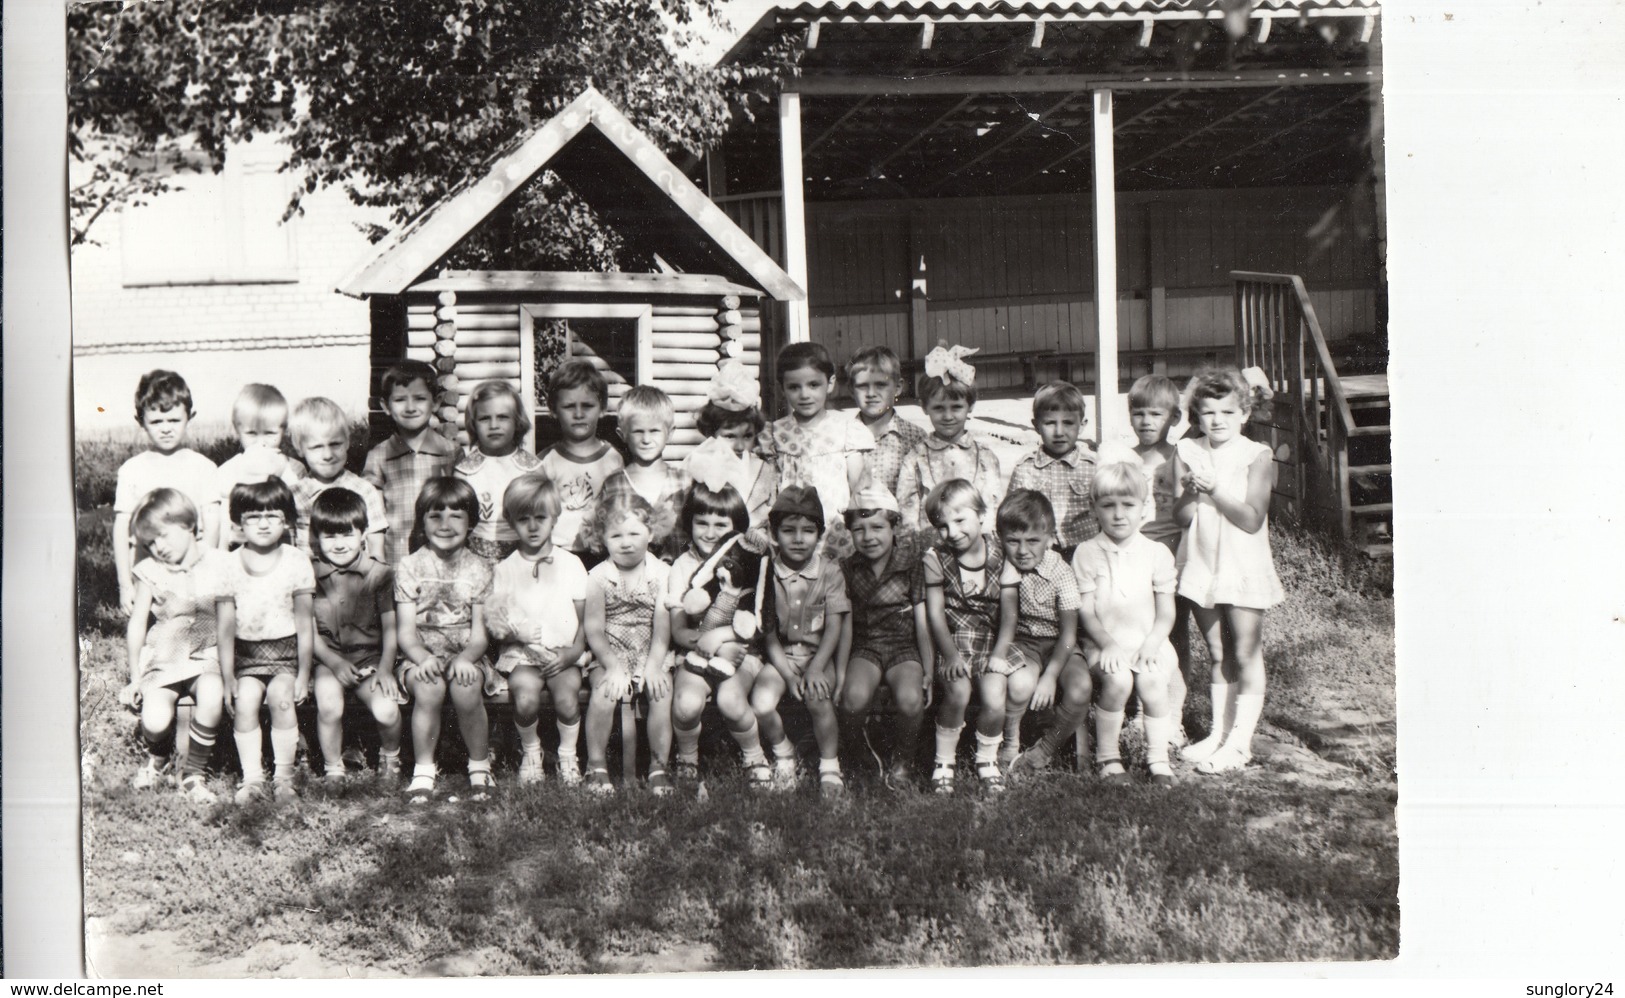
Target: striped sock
<point x="159" y="744"/>
<point x="201" y="750"/>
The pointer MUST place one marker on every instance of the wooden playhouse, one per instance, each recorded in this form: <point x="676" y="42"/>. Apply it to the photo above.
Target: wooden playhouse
<point x="711" y="297"/>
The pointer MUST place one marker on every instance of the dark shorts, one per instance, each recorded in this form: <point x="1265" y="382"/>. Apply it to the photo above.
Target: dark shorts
<point x="267" y="659"/>
<point x="886" y="653"/>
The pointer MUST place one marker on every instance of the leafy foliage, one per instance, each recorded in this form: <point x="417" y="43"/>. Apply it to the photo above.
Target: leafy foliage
<point x="395" y="104"/>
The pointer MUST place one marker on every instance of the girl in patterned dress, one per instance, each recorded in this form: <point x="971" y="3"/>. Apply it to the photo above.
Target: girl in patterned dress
<point x="441" y="589"/>
<point x="1222" y="501"/>
<point x="814" y="445"/>
<point x="972" y="616"/>
<point x="176" y="655"/>
<point x="628" y="635"/>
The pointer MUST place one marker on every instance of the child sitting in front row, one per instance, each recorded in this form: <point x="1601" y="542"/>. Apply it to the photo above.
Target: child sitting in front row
<point x="645" y="421"/>
<point x="496" y="424"/>
<point x="320" y="433"/>
<point x="1061" y="468"/>
<point x="177" y="655"/>
<point x="628" y="635"/>
<point x="441" y="589"/>
<point x="259" y="417"/>
<point x="535" y="615"/>
<point x="948" y="394"/>
<point x="410" y="456"/>
<point x="876" y="377"/>
<point x="355" y="631"/>
<point x="803" y="610"/>
<point x="263" y="612"/>
<point x="1047" y="621"/>
<point x="971" y="612"/>
<point x="163" y="407"/>
<point x="887" y="638"/>
<point x="580" y="462"/>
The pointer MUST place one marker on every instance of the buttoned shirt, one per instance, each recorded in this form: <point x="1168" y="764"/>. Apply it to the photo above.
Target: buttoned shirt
<point x="398" y="471"/>
<point x="804" y="598"/>
<point x="1125" y="580"/>
<point x="1068" y="482"/>
<point x="936" y="460"/>
<point x="1047" y="591"/>
<point x="351" y="600"/>
<point x="883" y="605"/>
<point x="308" y="488"/>
<point x="892" y="445"/>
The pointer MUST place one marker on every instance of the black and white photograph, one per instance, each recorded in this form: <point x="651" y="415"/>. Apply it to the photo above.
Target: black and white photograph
<point x="649" y="486"/>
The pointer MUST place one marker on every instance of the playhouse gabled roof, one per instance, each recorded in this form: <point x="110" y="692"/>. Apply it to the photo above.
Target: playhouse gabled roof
<point x="613" y="165"/>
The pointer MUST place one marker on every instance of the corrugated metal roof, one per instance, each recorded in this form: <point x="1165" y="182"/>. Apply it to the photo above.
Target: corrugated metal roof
<point x="880" y="10"/>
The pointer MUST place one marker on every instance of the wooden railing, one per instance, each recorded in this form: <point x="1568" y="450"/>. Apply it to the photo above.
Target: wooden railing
<point x="1276" y="330"/>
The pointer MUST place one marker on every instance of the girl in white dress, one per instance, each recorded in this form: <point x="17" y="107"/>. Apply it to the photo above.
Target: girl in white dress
<point x="1223" y="483"/>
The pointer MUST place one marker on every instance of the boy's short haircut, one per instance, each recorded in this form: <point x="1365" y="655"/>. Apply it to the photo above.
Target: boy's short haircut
<point x="485" y="391"/>
<point x="1025" y="510"/>
<point x="646" y="402"/>
<point x="161" y="390"/>
<point x="953" y="390"/>
<point x="852" y="516"/>
<point x="159" y="508"/>
<point x="337" y="511"/>
<point x="1154" y="391"/>
<point x="259" y="407"/>
<point x="713" y="419"/>
<point x="1058" y="395"/>
<point x="313" y="416"/>
<point x="702" y="501"/>
<point x="529" y="494"/>
<point x="953" y="492"/>
<point x="269" y="496"/>
<point x="804" y="354"/>
<point x="1120" y="478"/>
<point x="577" y="373"/>
<point x="403" y="373"/>
<point x="881" y="359"/>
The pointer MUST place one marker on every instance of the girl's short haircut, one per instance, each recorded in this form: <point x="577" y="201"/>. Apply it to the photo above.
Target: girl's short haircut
<point x="646" y="402"/>
<point x="486" y="391"/>
<point x="852" y="516"/>
<point x="403" y="373"/>
<point x="1062" y="396"/>
<point x="444" y="492"/>
<point x="615" y="508"/>
<point x="259" y="407"/>
<point x="952" y="390"/>
<point x="701" y="501"/>
<point x="577" y="374"/>
<point x="269" y="496"/>
<point x="529" y="494"/>
<point x="314" y="416"/>
<point x="954" y="492"/>
<point x="880" y="359"/>
<point x="161" y="390"/>
<point x="1025" y="510"/>
<point x="1154" y="391"/>
<point x="1219" y="383"/>
<point x="337" y="511"/>
<point x="713" y="419"/>
<point x="804" y="354"/>
<point x="1121" y="478"/>
<point x="159" y="508"/>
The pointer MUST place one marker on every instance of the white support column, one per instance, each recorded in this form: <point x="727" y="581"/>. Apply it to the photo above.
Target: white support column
<point x="795" y="211"/>
<point x="1109" y="420"/>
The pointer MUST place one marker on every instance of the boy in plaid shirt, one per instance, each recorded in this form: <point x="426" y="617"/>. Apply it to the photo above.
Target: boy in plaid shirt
<point x="1061" y="468"/>
<point x="412" y="455"/>
<point x="876" y="377"/>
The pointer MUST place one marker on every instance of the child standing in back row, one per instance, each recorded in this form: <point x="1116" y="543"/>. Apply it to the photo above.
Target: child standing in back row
<point x="163" y="407"/>
<point x="645" y="422"/>
<point x="876" y="377"/>
<point x="410" y="456"/>
<point x="259" y="417"/>
<point x="580" y="462"/>
<point x="732" y="415"/>
<point x="320" y="433"/>
<point x="496" y="424"/>
<point x="1153" y="409"/>
<point x="1061" y="468"/>
<point x="948" y="394"/>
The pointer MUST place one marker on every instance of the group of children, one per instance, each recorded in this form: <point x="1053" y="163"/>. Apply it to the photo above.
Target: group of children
<point x="816" y="556"/>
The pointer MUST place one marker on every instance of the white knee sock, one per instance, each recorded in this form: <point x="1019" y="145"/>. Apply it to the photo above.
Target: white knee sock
<point x="1108" y="731"/>
<point x="947" y="744"/>
<point x="1157" y="732"/>
<point x="1249" y="707"/>
<point x="1012" y="730"/>
<point x="688" y="743"/>
<point x="987" y="748"/>
<point x="1224" y="712"/>
<point x="530" y="743"/>
<point x="750" y="744"/>
<point x="569" y="735"/>
<point x="248" y="752"/>
<point x="284" y="747"/>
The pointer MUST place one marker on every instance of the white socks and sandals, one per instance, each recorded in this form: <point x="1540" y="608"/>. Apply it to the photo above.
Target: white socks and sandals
<point x="1229" y="747"/>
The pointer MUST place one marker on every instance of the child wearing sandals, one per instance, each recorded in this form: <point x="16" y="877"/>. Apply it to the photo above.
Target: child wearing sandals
<point x="1226" y="569"/>
<point x="804" y="608"/>
<point x="971" y="611"/>
<point x="441" y="589"/>
<point x="629" y="638"/>
<point x="538" y="601"/>
<point x="177" y="654"/>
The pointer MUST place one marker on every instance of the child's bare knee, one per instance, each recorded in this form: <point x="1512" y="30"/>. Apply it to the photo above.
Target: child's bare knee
<point x="429" y="693"/>
<point x="908" y="701"/>
<point x="386" y="712"/>
<point x="731" y="703"/>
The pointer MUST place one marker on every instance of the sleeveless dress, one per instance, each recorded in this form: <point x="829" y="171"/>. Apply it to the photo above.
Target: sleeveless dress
<point x="181" y="643"/>
<point x="1219" y="563"/>
<point x="629" y="610"/>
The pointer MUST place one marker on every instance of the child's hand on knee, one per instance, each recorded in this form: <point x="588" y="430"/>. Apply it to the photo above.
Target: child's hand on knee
<point x="301" y="688"/>
<point x="426" y="671"/>
<point x="819" y="684"/>
<point x="344" y="671"/>
<point x="463" y="672"/>
<point x="1043" y="693"/>
<point x="130" y="695"/>
<point x="617" y="682"/>
<point x="1114" y="659"/>
<point x="657" y="683"/>
<point x="386" y="686"/>
<point x="228" y="695"/>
